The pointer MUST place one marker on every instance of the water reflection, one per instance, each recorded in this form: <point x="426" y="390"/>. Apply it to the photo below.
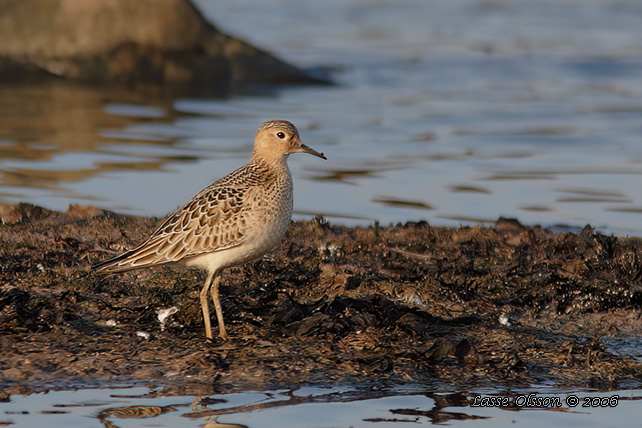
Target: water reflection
<point x="312" y="406"/>
<point x="68" y="117"/>
<point x="52" y="134"/>
<point x="105" y="416"/>
<point x="276" y="400"/>
<point x="346" y="176"/>
<point x="468" y="188"/>
<point x="475" y="110"/>
<point x="404" y="203"/>
<point x="212" y="422"/>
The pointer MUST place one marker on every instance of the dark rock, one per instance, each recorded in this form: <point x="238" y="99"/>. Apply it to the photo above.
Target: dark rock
<point x="150" y="41"/>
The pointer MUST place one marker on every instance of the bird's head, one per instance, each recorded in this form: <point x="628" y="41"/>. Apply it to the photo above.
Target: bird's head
<point x="277" y="139"/>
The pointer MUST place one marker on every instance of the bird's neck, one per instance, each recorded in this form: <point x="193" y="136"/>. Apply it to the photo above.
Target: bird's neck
<point x="277" y="163"/>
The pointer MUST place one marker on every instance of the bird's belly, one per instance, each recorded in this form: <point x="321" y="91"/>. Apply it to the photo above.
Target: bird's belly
<point x="264" y="235"/>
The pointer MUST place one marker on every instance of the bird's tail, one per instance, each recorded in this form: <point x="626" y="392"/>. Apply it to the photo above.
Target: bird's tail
<point x="149" y="253"/>
<point x="114" y="265"/>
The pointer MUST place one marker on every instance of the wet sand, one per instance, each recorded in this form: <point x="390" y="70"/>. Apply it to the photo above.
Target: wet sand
<point x="469" y="306"/>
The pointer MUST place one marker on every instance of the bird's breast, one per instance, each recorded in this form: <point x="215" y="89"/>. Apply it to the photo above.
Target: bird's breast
<point x="271" y="214"/>
<point x="266" y="214"/>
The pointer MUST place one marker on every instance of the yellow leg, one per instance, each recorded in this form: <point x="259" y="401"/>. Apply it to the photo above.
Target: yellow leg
<point x="217" y="306"/>
<point x="205" y="305"/>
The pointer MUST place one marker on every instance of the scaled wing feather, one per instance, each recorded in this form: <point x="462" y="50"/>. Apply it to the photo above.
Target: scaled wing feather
<point x="211" y="221"/>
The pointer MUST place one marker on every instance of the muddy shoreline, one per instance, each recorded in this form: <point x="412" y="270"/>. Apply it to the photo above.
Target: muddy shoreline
<point x="507" y="305"/>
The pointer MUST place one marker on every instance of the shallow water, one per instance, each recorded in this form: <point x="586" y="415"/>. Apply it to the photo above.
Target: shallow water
<point x="454" y="112"/>
<point x="311" y="406"/>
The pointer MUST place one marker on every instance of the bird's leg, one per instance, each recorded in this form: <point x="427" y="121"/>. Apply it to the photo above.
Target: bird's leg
<point x="219" y="311"/>
<point x="205" y="305"/>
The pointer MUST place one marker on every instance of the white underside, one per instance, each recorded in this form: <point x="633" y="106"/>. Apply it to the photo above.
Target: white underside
<point x="269" y="222"/>
<point x="254" y="246"/>
<point x="215" y="261"/>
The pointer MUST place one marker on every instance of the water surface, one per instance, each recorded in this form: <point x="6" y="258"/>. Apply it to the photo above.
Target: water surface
<point x="454" y="112"/>
<point x="313" y="406"/>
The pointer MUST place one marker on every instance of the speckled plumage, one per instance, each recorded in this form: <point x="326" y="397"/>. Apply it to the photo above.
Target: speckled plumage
<point x="234" y="220"/>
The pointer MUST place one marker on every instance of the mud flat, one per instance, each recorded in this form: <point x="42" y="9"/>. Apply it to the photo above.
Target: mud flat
<point x="506" y="304"/>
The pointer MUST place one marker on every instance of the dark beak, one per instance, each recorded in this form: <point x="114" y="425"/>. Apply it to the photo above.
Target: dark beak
<point x="309" y="150"/>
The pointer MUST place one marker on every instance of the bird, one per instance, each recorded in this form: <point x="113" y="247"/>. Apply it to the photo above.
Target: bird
<point x="235" y="220"/>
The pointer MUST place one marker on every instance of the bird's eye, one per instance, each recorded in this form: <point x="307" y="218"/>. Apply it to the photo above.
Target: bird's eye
<point x="281" y="135"/>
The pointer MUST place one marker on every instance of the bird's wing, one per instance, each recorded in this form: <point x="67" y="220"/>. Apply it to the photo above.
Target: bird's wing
<point x="213" y="220"/>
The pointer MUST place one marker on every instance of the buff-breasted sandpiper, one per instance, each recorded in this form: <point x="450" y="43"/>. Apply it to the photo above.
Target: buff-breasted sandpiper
<point x="235" y="220"/>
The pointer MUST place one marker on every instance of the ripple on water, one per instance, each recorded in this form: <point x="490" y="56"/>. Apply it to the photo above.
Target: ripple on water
<point x="390" y="406"/>
<point x="491" y="119"/>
